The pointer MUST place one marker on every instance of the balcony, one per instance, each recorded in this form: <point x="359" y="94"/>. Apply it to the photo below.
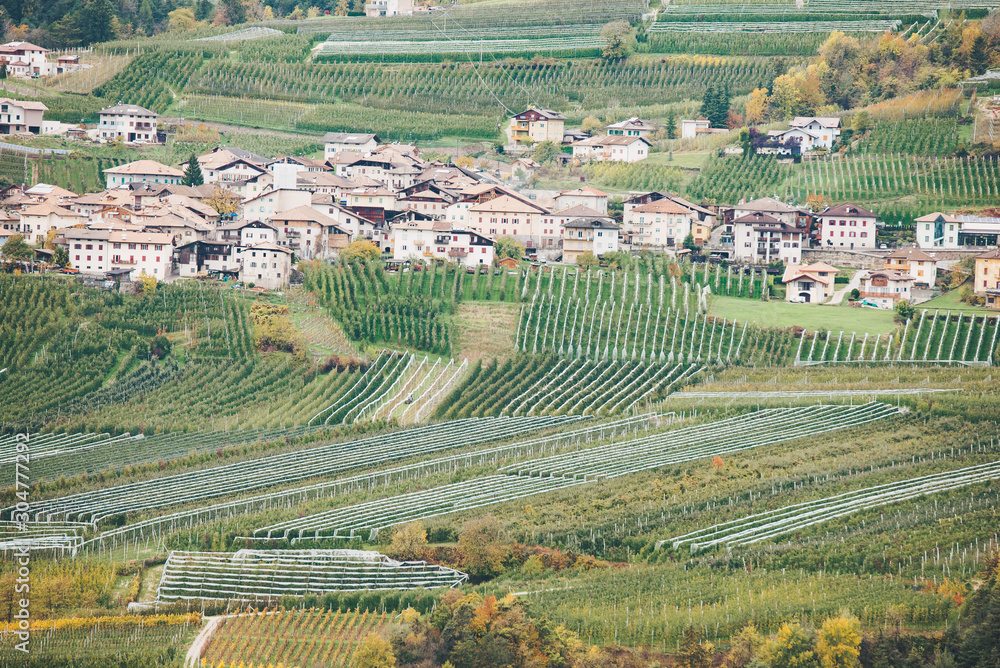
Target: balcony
<point x="457" y="252"/>
<point x="428" y="253"/>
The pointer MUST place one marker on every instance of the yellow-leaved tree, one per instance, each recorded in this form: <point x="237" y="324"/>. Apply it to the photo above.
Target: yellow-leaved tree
<point x="838" y="642"/>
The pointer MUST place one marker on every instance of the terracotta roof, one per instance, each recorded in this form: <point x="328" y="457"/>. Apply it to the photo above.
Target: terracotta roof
<point x="302" y="214"/>
<point x="585" y="191"/>
<point x="578" y="211"/>
<point x="145" y="167"/>
<point x="46" y="208"/>
<point x="847" y="209"/>
<point x="933" y="217"/>
<point x="612" y="140"/>
<point x="914" y="254"/>
<point x="665" y="205"/>
<point x="757" y="219"/>
<point x="507" y="204"/>
<point x="811" y="271"/>
<point x="891" y="275"/>
<point x="765" y="204"/>
<point x="991" y="255"/>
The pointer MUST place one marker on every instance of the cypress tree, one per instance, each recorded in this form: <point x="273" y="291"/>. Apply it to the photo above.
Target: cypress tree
<point x="192" y="173"/>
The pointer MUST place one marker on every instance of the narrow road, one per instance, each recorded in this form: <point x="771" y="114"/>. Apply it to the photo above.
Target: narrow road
<point x="855" y="282"/>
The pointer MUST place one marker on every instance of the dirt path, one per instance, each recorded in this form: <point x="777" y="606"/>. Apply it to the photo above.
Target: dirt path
<point x="221" y="127"/>
<point x="193" y="656"/>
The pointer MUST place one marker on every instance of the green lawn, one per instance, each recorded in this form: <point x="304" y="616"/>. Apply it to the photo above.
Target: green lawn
<point x="949" y="302"/>
<point x="810" y="316"/>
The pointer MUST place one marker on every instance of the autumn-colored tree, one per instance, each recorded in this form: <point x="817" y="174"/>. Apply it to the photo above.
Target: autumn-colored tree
<point x="224" y="201"/>
<point x="509" y="247"/>
<point x="408" y="542"/>
<point x="587" y="259"/>
<point x="786" y="100"/>
<point x="591" y="124"/>
<point x="297" y="14"/>
<point x="374" y="652"/>
<point x="718" y="464"/>
<point x="465" y="162"/>
<point x="343" y="7"/>
<point x="149" y="283"/>
<point x="182" y="20"/>
<point x="758" y="107"/>
<point x="733" y="119"/>
<point x="484" y="547"/>
<point x="792" y="648"/>
<point x="360" y="250"/>
<point x="838" y="643"/>
<point x="817" y="201"/>
<point x="744" y="648"/>
<point x="693" y="652"/>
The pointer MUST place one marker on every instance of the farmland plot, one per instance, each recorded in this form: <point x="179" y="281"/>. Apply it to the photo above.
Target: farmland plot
<point x="264" y="575"/>
<point x="538" y="476"/>
<point x="304" y="638"/>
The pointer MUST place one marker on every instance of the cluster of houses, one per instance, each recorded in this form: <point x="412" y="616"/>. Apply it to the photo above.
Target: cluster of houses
<point x="276" y="211"/>
<point x="26" y="60"/>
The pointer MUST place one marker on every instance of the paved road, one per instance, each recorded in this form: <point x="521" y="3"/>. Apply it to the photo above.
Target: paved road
<point x="838" y="296"/>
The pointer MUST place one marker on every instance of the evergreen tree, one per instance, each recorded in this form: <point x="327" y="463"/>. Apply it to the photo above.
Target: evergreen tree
<point x="672" y="126"/>
<point x="146" y="21"/>
<point x="192" y="173"/>
<point x="204" y="10"/>
<point x="708" y="102"/>
<point x="97" y="21"/>
<point x="3" y="70"/>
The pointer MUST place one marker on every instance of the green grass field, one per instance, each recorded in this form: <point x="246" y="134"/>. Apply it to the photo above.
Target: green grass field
<point x="950" y="301"/>
<point x="810" y="316"/>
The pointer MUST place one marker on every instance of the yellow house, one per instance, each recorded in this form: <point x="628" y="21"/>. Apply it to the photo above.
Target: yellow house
<point x="536" y="125"/>
<point x="913" y="261"/>
<point x="987" y="282"/>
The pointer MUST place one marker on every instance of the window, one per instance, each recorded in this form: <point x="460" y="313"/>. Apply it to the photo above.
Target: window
<point x="90" y="246"/>
<point x="76" y="247"/>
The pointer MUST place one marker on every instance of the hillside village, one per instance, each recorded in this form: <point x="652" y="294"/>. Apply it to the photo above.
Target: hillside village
<point x="499" y="334"/>
<point x="236" y="216"/>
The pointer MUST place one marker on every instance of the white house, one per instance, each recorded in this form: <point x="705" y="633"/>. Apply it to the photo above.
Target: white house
<point x="661" y="223"/>
<point x="25" y="59"/>
<point x="339" y="142"/>
<point x="812" y="283"/>
<point x="759" y="238"/>
<point x="247" y="233"/>
<point x="885" y="288"/>
<point x="267" y="204"/>
<point x="420" y="239"/>
<point x="586" y="196"/>
<point x="806" y="140"/>
<point x="847" y="226"/>
<point x="37" y="220"/>
<point x="825" y="129"/>
<point x="611" y="148"/>
<point x="266" y="265"/>
<point x="21" y="116"/>
<point x="594" y="235"/>
<point x="100" y="251"/>
<point x="913" y="262"/>
<point x="389" y="8"/>
<point x="128" y="122"/>
<point x="938" y="230"/>
<point x="633" y="127"/>
<point x="691" y="128"/>
<point x="140" y="171"/>
<point x="536" y="125"/>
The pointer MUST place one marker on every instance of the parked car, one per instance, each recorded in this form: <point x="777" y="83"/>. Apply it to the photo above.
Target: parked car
<point x="797" y="300"/>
